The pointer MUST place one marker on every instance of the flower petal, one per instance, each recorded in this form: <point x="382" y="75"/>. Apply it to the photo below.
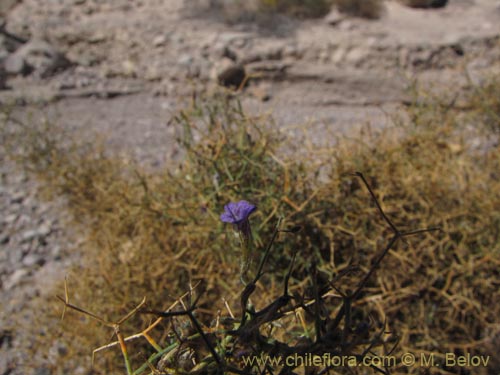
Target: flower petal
<point x="236" y="212"/>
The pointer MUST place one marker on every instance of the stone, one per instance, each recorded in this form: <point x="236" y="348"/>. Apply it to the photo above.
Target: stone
<point x="129" y="68"/>
<point x="238" y="38"/>
<point x="261" y="91"/>
<point x="32" y="260"/>
<point x="292" y="51"/>
<point x="8" y="41"/>
<point x="15" y="255"/>
<point x="15" y="278"/>
<point x="36" y="55"/>
<point x="16" y="64"/>
<point x="17" y="197"/>
<point x="153" y="73"/>
<point x="225" y="51"/>
<point x="4" y="238"/>
<point x="39" y="233"/>
<point x="185" y="60"/>
<point x="57" y="350"/>
<point x="356" y="55"/>
<point x="42" y="371"/>
<point x="230" y="74"/>
<point x="56" y="252"/>
<point x="3" y="55"/>
<point x="271" y="70"/>
<point x="28" y="235"/>
<point x="271" y="52"/>
<point x="160" y="40"/>
<point x="3" y="77"/>
<point x="98" y="37"/>
<point x="334" y="17"/>
<point x="10" y="218"/>
<point x="339" y="55"/>
<point x="176" y="38"/>
<point x="425" y="3"/>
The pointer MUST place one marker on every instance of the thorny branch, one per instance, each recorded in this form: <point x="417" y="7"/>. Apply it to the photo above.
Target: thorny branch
<point x="332" y="335"/>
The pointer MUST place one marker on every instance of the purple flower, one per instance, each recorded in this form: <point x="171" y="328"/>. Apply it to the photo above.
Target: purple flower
<point x="237" y="213"/>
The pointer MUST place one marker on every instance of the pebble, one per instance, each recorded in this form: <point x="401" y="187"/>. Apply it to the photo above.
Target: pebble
<point x="39" y="233"/>
<point x="42" y="371"/>
<point x="10" y="218"/>
<point x="15" y="278"/>
<point x="185" y="60"/>
<point x="16" y="64"/>
<point x="129" y="68"/>
<point x="98" y="37"/>
<point x="334" y="17"/>
<point x="239" y="38"/>
<point x="160" y="40"/>
<point x="56" y="252"/>
<point x="36" y="55"/>
<point x="4" y="238"/>
<point x="15" y="256"/>
<point x="28" y="235"/>
<point x="32" y="260"/>
<point x="56" y="351"/>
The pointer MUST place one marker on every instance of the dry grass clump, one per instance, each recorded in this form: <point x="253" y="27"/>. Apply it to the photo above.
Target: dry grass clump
<point x="484" y="105"/>
<point x="429" y="291"/>
<point x="155" y="235"/>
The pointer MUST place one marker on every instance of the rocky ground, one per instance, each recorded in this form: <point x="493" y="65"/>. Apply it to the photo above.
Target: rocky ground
<point x="122" y="68"/>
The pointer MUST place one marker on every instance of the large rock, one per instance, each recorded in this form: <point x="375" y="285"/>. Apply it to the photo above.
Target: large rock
<point x="230" y="74"/>
<point x="36" y="56"/>
<point x="424" y="3"/>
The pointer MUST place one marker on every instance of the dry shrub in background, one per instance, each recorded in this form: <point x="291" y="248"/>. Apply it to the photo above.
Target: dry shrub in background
<point x="153" y="235"/>
<point x="371" y="9"/>
<point x="298" y="8"/>
<point x="424" y="3"/>
<point x="234" y="11"/>
<point x="484" y="105"/>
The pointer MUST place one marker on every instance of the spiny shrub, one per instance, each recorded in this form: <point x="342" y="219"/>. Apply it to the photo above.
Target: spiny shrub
<point x="251" y="341"/>
<point x="155" y="235"/>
